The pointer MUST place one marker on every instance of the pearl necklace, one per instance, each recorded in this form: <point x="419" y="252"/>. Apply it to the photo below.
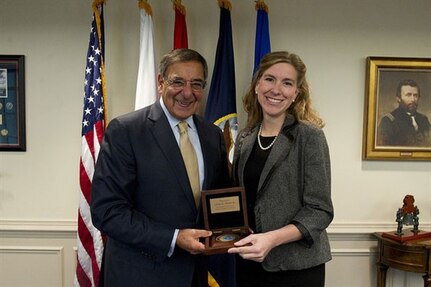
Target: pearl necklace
<point x="260" y="144"/>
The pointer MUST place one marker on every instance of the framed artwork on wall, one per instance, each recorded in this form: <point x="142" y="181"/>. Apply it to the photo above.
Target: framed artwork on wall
<point x="12" y="103"/>
<point x="397" y="109"/>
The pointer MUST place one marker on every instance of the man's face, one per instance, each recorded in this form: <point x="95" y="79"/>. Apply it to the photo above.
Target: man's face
<point x="183" y="89"/>
<point x="409" y="98"/>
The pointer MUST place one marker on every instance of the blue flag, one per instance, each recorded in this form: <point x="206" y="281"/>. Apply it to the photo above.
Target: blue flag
<point x="262" y="41"/>
<point x="221" y="110"/>
<point x="221" y="103"/>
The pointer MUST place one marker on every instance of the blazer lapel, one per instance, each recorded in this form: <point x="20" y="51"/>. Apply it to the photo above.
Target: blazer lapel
<point x="279" y="151"/>
<point x="245" y="151"/>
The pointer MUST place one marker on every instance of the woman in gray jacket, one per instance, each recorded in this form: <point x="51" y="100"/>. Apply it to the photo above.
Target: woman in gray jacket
<point x="282" y="159"/>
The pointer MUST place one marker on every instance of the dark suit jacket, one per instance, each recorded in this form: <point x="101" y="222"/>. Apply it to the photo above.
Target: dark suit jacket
<point x="141" y="194"/>
<point x="294" y="187"/>
<point x="396" y="129"/>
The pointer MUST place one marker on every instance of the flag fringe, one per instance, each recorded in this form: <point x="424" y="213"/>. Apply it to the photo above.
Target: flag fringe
<point x="105" y="111"/>
<point x="211" y="281"/>
<point x="225" y="4"/>
<point x="180" y="7"/>
<point x="143" y="4"/>
<point x="96" y="12"/>
<point x="261" y="5"/>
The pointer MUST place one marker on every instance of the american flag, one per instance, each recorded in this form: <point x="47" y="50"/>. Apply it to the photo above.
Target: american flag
<point x="90" y="241"/>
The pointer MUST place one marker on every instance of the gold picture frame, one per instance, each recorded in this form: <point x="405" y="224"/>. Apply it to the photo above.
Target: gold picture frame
<point x="384" y="78"/>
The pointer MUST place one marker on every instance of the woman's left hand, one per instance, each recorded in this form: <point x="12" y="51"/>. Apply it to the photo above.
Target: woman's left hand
<point x="257" y="246"/>
<point x="253" y="247"/>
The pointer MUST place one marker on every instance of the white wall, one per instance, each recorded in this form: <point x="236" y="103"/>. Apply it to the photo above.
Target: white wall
<point x="39" y="187"/>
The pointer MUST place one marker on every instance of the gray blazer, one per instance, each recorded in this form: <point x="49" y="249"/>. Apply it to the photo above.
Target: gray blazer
<point x="294" y="187"/>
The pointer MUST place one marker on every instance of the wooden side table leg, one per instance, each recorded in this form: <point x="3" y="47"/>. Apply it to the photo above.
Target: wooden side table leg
<point x="427" y="280"/>
<point x="381" y="274"/>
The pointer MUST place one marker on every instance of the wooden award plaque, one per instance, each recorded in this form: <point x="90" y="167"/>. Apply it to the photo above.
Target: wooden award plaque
<point x="225" y="214"/>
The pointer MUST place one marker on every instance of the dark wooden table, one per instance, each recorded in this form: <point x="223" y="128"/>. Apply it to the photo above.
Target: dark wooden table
<point x="411" y="256"/>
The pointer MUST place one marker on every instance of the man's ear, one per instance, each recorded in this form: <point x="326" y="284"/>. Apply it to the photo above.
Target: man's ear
<point x="159" y="83"/>
<point x="159" y="79"/>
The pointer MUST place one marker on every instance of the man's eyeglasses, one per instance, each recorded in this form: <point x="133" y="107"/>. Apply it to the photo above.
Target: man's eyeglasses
<point x="180" y="83"/>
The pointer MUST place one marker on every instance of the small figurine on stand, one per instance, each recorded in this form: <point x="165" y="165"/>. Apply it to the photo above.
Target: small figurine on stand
<point x="407" y="215"/>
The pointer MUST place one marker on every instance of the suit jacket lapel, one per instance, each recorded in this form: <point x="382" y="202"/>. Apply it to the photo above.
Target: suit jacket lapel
<point x="204" y="140"/>
<point x="164" y="138"/>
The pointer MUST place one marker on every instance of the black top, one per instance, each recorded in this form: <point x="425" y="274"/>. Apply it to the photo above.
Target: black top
<point x="252" y="171"/>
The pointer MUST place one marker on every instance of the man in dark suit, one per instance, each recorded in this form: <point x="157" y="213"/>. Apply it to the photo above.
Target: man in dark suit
<point x="404" y="126"/>
<point x="142" y="198"/>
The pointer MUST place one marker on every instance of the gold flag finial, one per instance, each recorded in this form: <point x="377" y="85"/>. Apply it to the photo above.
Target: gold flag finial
<point x="143" y="4"/>
<point x="97" y="3"/>
<point x="260" y="5"/>
<point x="180" y="7"/>
<point x="225" y="4"/>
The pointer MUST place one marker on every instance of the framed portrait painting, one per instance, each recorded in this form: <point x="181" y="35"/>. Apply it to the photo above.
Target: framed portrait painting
<point x="397" y="109"/>
<point x="12" y="103"/>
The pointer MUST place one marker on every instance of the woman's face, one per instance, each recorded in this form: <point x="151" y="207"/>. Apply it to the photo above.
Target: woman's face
<point x="277" y="89"/>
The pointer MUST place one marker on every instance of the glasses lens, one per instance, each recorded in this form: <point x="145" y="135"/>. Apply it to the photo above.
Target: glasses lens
<point x="179" y="83"/>
<point x="197" y="85"/>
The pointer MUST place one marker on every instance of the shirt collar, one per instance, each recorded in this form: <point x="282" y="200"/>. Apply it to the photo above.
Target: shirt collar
<point x="173" y="121"/>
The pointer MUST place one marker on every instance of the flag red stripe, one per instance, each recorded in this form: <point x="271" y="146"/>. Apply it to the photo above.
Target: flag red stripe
<point x="89" y="138"/>
<point x="180" y="30"/>
<point x="82" y="278"/>
<point x="87" y="241"/>
<point x="99" y="128"/>
<point x="85" y="183"/>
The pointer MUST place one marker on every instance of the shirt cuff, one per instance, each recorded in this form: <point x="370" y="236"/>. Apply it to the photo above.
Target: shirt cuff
<point x="174" y="239"/>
